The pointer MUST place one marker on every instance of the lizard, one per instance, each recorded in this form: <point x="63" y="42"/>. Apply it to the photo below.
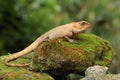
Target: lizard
<point x="67" y="31"/>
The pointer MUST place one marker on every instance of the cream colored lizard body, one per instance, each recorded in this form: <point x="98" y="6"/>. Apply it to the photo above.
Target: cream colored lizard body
<point x="67" y="30"/>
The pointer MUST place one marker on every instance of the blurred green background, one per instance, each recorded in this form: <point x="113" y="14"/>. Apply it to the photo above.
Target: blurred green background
<point x="22" y="21"/>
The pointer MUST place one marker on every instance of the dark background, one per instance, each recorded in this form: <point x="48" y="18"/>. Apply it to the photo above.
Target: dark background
<point x="22" y="21"/>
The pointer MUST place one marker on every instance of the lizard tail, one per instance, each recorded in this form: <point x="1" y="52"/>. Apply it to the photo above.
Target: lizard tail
<point x="16" y="65"/>
<point x="19" y="54"/>
<point x="23" y="52"/>
<point x="15" y="56"/>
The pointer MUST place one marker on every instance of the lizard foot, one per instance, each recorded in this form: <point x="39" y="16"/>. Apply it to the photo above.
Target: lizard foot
<point x="70" y="40"/>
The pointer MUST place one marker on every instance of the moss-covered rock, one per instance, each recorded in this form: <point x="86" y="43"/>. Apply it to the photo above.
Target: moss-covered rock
<point x="20" y="73"/>
<point x="61" y="56"/>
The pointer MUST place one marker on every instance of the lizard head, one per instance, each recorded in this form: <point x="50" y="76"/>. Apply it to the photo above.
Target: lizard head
<point x="83" y="25"/>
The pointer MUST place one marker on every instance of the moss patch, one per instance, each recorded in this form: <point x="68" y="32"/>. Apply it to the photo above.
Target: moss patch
<point x="61" y="55"/>
<point x="19" y="73"/>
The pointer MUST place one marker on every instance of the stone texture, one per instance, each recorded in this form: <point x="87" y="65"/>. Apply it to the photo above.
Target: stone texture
<point x="99" y="73"/>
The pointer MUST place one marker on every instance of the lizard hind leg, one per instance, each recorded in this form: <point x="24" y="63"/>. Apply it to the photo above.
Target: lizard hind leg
<point x="71" y="37"/>
<point x="46" y="40"/>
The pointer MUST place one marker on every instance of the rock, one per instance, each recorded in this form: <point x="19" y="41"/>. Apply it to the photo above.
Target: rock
<point x="60" y="57"/>
<point x="99" y="73"/>
<point x="20" y="73"/>
<point x="94" y="72"/>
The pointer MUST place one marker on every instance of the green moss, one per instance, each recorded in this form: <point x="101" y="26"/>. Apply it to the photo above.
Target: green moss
<point x="60" y="54"/>
<point x="19" y="73"/>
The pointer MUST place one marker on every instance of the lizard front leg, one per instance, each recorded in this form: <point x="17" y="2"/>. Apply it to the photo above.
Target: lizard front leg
<point x="69" y="36"/>
<point x="75" y="36"/>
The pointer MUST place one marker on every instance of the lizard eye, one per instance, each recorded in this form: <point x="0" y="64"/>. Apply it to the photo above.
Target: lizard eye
<point x="82" y="23"/>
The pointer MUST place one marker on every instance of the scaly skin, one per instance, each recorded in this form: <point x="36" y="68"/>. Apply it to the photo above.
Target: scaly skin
<point x="67" y="30"/>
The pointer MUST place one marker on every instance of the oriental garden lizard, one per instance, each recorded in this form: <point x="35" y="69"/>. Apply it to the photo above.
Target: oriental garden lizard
<point x="67" y="30"/>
